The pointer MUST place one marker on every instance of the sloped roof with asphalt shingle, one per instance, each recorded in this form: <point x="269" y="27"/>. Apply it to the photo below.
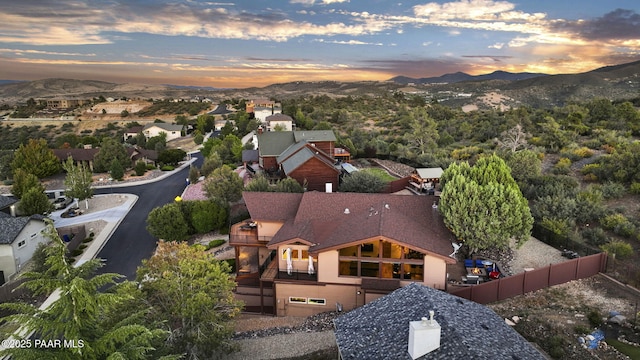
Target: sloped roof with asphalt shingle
<point x="12" y="226"/>
<point x="164" y="126"/>
<point x="321" y="219"/>
<point x="273" y="143"/>
<point x="314" y="135"/>
<point x="6" y="201"/>
<point x="76" y="154"/>
<point x="380" y="329"/>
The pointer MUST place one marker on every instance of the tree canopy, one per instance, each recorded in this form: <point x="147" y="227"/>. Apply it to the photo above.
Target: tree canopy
<point x="483" y="206"/>
<point x="23" y="181"/>
<point x="193" y="293"/>
<point x="36" y="158"/>
<point x="103" y="324"/>
<point x="168" y="223"/>
<point x="78" y="180"/>
<point x="110" y="150"/>
<point x="224" y="185"/>
<point x="362" y="182"/>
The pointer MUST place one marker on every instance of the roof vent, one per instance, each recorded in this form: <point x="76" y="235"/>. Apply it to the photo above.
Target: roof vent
<point x="424" y="336"/>
<point x="346" y="211"/>
<point x="386" y="206"/>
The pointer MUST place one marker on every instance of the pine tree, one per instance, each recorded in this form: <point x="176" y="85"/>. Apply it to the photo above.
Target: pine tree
<point x="36" y="158"/>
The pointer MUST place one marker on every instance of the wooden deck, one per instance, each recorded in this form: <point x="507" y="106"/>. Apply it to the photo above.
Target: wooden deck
<point x="239" y="235"/>
<point x="271" y="272"/>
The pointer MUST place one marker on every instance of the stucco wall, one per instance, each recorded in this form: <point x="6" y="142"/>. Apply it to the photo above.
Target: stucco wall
<point x="32" y="235"/>
<point x="435" y="272"/>
<point x="268" y="228"/>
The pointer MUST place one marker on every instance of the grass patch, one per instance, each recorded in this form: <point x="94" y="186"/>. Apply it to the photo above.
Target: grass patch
<point x="629" y="350"/>
<point x="381" y="174"/>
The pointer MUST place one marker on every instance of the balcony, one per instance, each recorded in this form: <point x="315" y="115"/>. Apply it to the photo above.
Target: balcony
<point x="243" y="234"/>
<point x="272" y="273"/>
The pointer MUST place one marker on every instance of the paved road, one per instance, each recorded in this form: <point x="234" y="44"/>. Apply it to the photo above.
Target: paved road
<point x="130" y="243"/>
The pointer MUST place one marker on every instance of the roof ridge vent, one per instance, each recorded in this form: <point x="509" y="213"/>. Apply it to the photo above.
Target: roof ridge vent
<point x="346" y="211"/>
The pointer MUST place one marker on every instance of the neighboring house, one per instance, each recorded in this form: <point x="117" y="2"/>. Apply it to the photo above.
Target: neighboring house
<point x="219" y="124"/>
<point x="426" y="179"/>
<point x="19" y="239"/>
<point x="308" y="252"/>
<point x="306" y="156"/>
<point x="279" y="122"/>
<point x="79" y="156"/>
<point x="86" y="156"/>
<point x="132" y="132"/>
<point x="261" y="108"/>
<point x="154" y="129"/>
<point x="6" y="203"/>
<point x="463" y="329"/>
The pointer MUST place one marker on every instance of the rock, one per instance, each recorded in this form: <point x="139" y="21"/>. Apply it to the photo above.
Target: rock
<point x="509" y="322"/>
<point x="515" y="318"/>
<point x="617" y="319"/>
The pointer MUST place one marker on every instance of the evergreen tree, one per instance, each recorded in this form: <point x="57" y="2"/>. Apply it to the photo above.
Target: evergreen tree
<point x="110" y="150"/>
<point x="259" y="184"/>
<point x="193" y="293"/>
<point x="78" y="181"/>
<point x="115" y="170"/>
<point x="102" y="323"/>
<point x="224" y="185"/>
<point x="362" y="182"/>
<point x="34" y="201"/>
<point x="36" y="158"/>
<point x="289" y="185"/>
<point x="23" y="181"/>
<point x="483" y="206"/>
<point x="168" y="223"/>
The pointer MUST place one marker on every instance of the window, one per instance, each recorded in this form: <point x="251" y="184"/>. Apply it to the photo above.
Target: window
<point x="383" y="260"/>
<point x="315" y="301"/>
<point x="22" y="244"/>
<point x="297" y="300"/>
<point x="305" y="255"/>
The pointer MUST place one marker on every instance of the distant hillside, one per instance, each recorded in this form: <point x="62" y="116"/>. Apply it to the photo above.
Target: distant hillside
<point x="461" y="77"/>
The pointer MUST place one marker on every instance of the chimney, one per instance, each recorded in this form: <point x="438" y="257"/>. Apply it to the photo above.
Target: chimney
<point x="424" y="336"/>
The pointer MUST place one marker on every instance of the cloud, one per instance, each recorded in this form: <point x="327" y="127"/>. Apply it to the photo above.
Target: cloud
<point x="312" y="2"/>
<point x="20" y="52"/>
<point x="617" y="25"/>
<point x="349" y="42"/>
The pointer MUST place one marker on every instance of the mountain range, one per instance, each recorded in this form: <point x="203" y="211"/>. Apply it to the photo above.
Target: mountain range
<point x="514" y="89"/>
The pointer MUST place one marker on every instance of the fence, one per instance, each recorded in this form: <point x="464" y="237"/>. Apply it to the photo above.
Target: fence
<point x="537" y="279"/>
<point x="397" y="185"/>
<point x="9" y="291"/>
<point x="560" y="241"/>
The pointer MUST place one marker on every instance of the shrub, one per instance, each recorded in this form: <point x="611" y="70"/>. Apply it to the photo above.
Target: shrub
<point x="594" y="236"/>
<point x="562" y="167"/>
<point x="82" y="247"/>
<point x="167" y="168"/>
<point x="151" y="167"/>
<point x="626" y="229"/>
<point x="611" y="221"/>
<point x="76" y="252"/>
<point x="613" y="190"/>
<point x="595" y="318"/>
<point x="617" y="248"/>
<point x="140" y="168"/>
<point x="583" y="152"/>
<point x="215" y="243"/>
<point x="198" y="139"/>
<point x="581" y="330"/>
<point x="634" y="188"/>
<point x="89" y="239"/>
<point x="8" y="182"/>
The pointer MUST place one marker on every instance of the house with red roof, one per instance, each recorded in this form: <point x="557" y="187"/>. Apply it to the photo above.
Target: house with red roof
<point x="302" y="254"/>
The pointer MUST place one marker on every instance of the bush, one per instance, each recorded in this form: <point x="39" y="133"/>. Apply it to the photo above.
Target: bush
<point x="215" y="243"/>
<point x="613" y="190"/>
<point x="198" y="139"/>
<point x="140" y="168"/>
<point x="581" y="330"/>
<point x="151" y="167"/>
<point x="594" y="236"/>
<point x="167" y="168"/>
<point x="89" y="239"/>
<point x="626" y="229"/>
<point x="612" y="221"/>
<point x="82" y="247"/>
<point x="562" y="167"/>
<point x="634" y="188"/>
<point x="595" y="318"/>
<point x="8" y="182"/>
<point x="76" y="252"/>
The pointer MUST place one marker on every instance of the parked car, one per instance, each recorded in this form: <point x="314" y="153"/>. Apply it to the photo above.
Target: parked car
<point x="62" y="202"/>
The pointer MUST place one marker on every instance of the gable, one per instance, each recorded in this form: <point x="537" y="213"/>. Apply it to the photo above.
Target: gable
<point x="12" y="226"/>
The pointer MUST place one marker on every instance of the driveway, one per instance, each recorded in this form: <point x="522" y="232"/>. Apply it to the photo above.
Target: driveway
<point x="130" y="243"/>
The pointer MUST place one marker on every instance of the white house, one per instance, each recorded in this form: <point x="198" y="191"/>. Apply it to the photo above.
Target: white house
<point x="280" y="121"/>
<point x="154" y="129"/>
<point x="19" y="239"/>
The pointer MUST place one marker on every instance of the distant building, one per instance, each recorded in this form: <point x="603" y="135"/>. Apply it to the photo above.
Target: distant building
<point x="66" y="103"/>
<point x="154" y="129"/>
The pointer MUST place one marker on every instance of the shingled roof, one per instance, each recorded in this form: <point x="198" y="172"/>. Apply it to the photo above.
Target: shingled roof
<point x="6" y="201"/>
<point x="12" y="226"/>
<point x="380" y="329"/>
<point x="321" y="219"/>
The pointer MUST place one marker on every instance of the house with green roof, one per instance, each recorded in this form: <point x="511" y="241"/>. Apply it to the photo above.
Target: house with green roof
<point x="306" y="156"/>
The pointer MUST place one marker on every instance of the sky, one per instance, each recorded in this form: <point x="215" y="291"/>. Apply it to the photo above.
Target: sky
<point x="239" y="44"/>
